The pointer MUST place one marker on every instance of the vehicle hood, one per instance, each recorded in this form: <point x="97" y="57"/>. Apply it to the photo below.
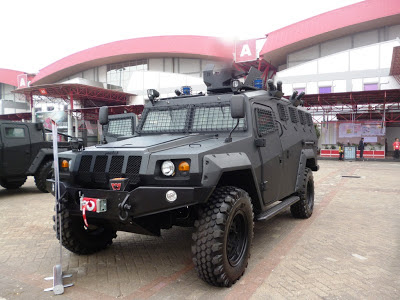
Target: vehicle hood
<point x="156" y="142"/>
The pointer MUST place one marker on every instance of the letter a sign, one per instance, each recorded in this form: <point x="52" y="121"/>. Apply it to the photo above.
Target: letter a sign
<point x="22" y="81"/>
<point x="245" y="51"/>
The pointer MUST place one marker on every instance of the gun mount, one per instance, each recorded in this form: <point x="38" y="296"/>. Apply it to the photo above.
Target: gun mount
<point x="228" y="79"/>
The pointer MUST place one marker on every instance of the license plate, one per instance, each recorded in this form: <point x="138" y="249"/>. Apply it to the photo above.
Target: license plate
<point x="93" y="204"/>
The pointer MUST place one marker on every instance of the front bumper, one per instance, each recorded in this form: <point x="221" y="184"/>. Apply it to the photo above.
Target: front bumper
<point x="145" y="200"/>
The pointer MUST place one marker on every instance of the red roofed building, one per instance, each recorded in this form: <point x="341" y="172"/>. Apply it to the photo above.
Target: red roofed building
<point x="350" y="49"/>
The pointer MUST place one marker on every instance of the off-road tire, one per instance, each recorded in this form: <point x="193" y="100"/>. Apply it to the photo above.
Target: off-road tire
<point x="44" y="172"/>
<point x="12" y="185"/>
<point x="216" y="258"/>
<point x="303" y="209"/>
<point x="79" y="239"/>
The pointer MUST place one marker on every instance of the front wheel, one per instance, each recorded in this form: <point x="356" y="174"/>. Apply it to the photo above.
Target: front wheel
<point x="78" y="238"/>
<point x="44" y="172"/>
<point x="223" y="237"/>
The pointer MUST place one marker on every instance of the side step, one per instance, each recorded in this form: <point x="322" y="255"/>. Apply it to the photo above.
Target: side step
<point x="266" y="215"/>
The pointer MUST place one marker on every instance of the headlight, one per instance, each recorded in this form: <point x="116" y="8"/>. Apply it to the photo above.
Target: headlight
<point x="168" y="168"/>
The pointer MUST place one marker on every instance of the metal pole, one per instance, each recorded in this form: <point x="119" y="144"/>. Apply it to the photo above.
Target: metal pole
<point x="76" y="127"/>
<point x="32" y="108"/>
<point x="71" y="104"/>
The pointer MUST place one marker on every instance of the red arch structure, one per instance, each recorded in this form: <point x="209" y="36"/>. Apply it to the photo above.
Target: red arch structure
<point x="8" y="76"/>
<point x="178" y="46"/>
<point x="362" y="16"/>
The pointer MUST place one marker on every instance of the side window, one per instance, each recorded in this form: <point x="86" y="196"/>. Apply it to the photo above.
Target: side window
<point x="283" y="113"/>
<point x="120" y="127"/>
<point x="309" y="119"/>
<point x="14" y="132"/>
<point x="265" y="121"/>
<point x="302" y="117"/>
<point x="293" y="115"/>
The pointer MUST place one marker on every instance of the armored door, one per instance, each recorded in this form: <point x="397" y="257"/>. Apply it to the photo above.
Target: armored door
<point x="16" y="148"/>
<point x="270" y="150"/>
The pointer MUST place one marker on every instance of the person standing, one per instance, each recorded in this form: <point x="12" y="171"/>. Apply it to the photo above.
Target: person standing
<point x="341" y="150"/>
<point x="361" y="148"/>
<point x="396" y="148"/>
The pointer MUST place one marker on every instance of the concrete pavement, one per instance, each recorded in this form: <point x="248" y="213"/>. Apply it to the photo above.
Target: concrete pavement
<point x="348" y="249"/>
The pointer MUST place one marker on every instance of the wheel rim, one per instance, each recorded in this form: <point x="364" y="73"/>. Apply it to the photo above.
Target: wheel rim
<point x="237" y="239"/>
<point x="310" y="196"/>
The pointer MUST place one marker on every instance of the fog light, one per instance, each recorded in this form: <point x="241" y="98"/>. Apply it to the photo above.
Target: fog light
<point x="171" y="196"/>
<point x="184" y="166"/>
<point x="65" y="164"/>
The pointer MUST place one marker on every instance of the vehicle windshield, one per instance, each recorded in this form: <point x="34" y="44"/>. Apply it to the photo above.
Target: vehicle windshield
<point x="213" y="117"/>
<point x="120" y="127"/>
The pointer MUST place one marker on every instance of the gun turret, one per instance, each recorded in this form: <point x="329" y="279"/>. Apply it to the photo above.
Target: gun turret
<point x="227" y="79"/>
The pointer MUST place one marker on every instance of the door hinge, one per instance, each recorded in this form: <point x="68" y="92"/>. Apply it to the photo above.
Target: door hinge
<point x="263" y="186"/>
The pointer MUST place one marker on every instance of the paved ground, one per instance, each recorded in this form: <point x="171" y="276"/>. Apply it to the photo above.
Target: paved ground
<point x="348" y="249"/>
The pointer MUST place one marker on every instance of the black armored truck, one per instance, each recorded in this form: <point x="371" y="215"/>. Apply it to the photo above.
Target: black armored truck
<point x="24" y="152"/>
<point x="217" y="162"/>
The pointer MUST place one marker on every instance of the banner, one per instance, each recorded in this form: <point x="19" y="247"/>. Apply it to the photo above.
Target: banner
<point x="349" y="130"/>
<point x="371" y="128"/>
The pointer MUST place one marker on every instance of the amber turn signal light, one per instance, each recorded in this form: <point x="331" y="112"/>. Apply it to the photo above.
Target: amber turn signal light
<point x="65" y="164"/>
<point x="184" y="167"/>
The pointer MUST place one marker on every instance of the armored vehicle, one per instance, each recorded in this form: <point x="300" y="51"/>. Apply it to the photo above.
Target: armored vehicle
<point x="217" y="162"/>
<point x="24" y="151"/>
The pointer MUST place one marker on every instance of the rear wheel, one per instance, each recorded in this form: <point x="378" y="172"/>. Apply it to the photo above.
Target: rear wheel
<point x="12" y="184"/>
<point x="224" y="233"/>
<point x="78" y="238"/>
<point x="44" y="172"/>
<point x="303" y="209"/>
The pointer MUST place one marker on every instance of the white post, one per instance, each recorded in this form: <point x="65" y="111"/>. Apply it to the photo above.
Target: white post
<point x="69" y="123"/>
<point x="76" y="127"/>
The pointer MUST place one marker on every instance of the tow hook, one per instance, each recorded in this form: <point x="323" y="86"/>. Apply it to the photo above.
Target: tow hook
<point x="124" y="208"/>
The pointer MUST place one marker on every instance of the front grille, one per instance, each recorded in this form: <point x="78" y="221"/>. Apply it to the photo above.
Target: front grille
<point x="132" y="169"/>
<point x="99" y="170"/>
<point x="107" y="167"/>
<point x="116" y="167"/>
<point x="84" y="168"/>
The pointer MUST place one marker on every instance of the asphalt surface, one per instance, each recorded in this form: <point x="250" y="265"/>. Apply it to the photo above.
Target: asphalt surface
<point x="348" y="249"/>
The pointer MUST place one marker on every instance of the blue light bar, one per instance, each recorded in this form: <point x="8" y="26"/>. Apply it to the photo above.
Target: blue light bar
<point x="258" y="83"/>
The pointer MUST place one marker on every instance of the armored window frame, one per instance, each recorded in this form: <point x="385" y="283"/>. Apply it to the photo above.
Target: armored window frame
<point x="294" y="117"/>
<point x="302" y="117"/>
<point x="262" y="115"/>
<point x="125" y="125"/>
<point x="191" y="125"/>
<point x="309" y="119"/>
<point x="183" y="125"/>
<point x="282" y="111"/>
<point x="218" y="125"/>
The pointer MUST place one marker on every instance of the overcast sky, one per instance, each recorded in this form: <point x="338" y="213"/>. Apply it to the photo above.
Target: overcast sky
<point x="36" y="33"/>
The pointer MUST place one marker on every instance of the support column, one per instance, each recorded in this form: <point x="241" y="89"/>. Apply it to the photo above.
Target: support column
<point x="69" y="123"/>
<point x="32" y="107"/>
<point x="71" y="107"/>
<point x="76" y="127"/>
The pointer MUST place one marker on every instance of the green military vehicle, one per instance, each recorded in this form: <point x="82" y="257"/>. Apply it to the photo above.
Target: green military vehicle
<point x="24" y="152"/>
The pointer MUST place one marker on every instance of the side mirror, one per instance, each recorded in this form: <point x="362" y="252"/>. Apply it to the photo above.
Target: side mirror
<point x="103" y="115"/>
<point x="237" y="106"/>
